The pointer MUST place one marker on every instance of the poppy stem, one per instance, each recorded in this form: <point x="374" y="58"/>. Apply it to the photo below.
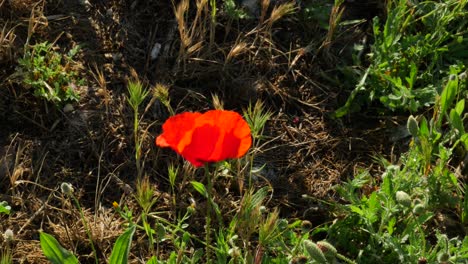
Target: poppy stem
<point x="208" y="213"/>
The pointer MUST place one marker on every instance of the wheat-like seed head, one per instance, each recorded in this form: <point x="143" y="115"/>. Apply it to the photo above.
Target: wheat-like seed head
<point x="238" y="49"/>
<point x="280" y="11"/>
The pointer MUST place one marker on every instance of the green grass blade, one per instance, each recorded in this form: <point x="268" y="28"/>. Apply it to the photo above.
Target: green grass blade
<point x="54" y="252"/>
<point x="121" y="248"/>
<point x="349" y="103"/>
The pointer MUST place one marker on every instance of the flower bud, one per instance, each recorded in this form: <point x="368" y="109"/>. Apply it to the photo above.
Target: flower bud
<point x="234" y="252"/>
<point x="8" y="235"/>
<point x="403" y="198"/>
<point x="66" y="188"/>
<point x="314" y="251"/>
<point x="232" y="240"/>
<point x="443" y="257"/>
<point x="412" y="126"/>
<point x="306" y="226"/>
<point x="419" y="209"/>
<point x="282" y="224"/>
<point x="462" y="75"/>
<point x="422" y="260"/>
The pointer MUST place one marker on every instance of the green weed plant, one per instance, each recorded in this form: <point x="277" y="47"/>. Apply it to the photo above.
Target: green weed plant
<point x="4" y="208"/>
<point x="414" y="52"/>
<point x="398" y="221"/>
<point x="50" y="74"/>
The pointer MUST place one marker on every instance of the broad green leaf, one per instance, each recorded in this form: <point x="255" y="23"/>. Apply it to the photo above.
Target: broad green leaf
<point x="456" y="121"/>
<point x="464" y="139"/>
<point x="356" y="210"/>
<point x="423" y="128"/>
<point x="460" y="107"/>
<point x="374" y="207"/>
<point x="54" y="252"/>
<point x="199" y="187"/>
<point x="160" y="232"/>
<point x="448" y="94"/>
<point x="121" y="248"/>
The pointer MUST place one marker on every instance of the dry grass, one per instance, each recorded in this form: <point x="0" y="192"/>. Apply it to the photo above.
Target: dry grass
<point x="7" y="38"/>
<point x="92" y="146"/>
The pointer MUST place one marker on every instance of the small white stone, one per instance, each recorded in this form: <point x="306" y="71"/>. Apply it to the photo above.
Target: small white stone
<point x="109" y="12"/>
<point x="117" y="57"/>
<point x="68" y="108"/>
<point x="155" y="51"/>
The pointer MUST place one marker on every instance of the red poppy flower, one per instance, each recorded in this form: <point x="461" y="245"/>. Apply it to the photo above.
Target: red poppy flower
<point x="210" y="137"/>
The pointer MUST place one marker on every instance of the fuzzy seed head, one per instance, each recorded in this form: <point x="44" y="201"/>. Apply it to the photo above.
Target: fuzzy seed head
<point x="328" y="249"/>
<point x="314" y="251"/>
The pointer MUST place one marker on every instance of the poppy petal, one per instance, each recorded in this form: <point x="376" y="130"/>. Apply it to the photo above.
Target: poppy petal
<point x="176" y="131"/>
<point x="236" y="139"/>
<point x="161" y="141"/>
<point x="203" y="143"/>
<point x="210" y="137"/>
